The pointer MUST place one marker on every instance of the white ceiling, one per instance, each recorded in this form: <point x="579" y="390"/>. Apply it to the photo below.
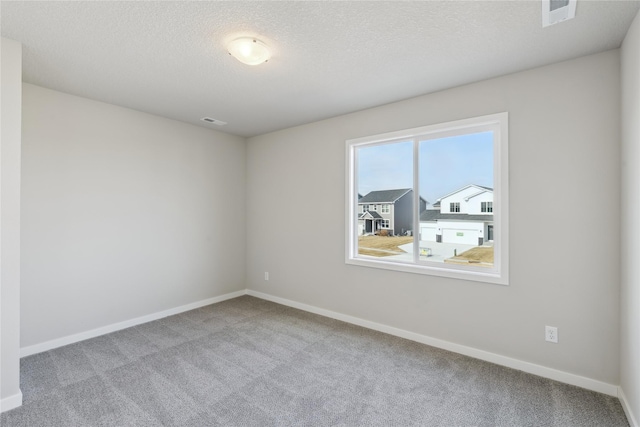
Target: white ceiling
<point x="329" y="58"/>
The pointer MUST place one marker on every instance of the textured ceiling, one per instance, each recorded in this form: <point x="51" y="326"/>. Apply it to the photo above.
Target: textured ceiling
<point x="329" y="58"/>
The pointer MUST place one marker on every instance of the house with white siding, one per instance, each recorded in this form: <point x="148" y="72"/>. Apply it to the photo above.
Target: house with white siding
<point x="464" y="216"/>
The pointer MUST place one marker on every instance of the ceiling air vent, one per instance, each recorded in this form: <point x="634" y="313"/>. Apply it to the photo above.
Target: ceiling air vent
<point x="213" y="121"/>
<point x="554" y="11"/>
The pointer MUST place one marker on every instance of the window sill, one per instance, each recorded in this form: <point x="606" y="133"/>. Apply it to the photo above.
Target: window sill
<point x="478" y="274"/>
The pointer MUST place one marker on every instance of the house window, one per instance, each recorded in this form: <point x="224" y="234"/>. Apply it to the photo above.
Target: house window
<point x="486" y="207"/>
<point x="435" y="164"/>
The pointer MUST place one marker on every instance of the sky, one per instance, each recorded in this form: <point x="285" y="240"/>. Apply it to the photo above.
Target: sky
<point x="445" y="165"/>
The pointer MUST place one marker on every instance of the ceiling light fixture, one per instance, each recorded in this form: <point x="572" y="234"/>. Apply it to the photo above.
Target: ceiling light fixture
<point x="249" y="50"/>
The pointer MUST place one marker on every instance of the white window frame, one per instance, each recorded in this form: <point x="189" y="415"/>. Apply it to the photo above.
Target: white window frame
<point x="384" y="208"/>
<point x="385" y="223"/>
<point x="486" y="207"/>
<point x="454" y="207"/>
<point x="499" y="274"/>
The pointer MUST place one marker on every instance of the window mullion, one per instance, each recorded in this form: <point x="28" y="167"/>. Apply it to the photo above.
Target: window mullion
<point x="416" y="201"/>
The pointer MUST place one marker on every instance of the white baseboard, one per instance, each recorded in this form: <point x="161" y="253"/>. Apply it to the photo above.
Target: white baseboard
<point x="532" y="368"/>
<point x="11" y="402"/>
<point x="633" y="422"/>
<point x="59" y="342"/>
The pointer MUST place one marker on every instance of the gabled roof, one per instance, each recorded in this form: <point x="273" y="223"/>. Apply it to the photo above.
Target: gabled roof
<point x="372" y="214"/>
<point x="384" y="196"/>
<point x="434" y="215"/>
<point x="479" y="187"/>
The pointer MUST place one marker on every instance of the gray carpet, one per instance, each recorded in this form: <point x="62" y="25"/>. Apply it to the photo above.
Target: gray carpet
<point x="249" y="362"/>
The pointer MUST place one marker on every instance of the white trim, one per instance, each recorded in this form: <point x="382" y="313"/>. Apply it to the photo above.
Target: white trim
<point x="11" y="402"/>
<point x="532" y="368"/>
<point x="476" y="274"/>
<point x="483" y="190"/>
<point x="627" y="408"/>
<point x="70" y="339"/>
<point x="466" y="199"/>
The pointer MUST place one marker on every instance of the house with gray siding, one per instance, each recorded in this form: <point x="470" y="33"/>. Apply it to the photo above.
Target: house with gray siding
<point x="390" y="210"/>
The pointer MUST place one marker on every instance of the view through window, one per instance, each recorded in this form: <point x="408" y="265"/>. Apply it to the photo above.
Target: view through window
<point x="437" y="197"/>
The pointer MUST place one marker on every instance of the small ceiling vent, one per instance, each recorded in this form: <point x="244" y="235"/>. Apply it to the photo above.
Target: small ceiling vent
<point x="213" y="121"/>
<point x="554" y="11"/>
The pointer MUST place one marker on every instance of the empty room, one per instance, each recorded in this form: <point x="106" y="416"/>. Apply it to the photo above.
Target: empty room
<point x="320" y="213"/>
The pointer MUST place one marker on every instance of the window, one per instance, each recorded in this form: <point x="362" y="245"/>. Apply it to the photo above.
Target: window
<point x="486" y="207"/>
<point x="439" y="166"/>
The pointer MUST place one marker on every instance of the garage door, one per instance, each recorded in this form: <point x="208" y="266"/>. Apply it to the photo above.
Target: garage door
<point x="466" y="237"/>
<point x="428" y="233"/>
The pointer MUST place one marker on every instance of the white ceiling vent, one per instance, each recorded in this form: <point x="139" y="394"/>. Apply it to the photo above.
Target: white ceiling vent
<point x="213" y="121"/>
<point x="554" y="11"/>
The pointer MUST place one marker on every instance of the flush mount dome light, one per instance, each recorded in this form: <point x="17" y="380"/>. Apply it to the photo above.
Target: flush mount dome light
<point x="249" y="50"/>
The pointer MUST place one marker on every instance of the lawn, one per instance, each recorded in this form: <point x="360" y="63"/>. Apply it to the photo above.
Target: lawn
<point x="381" y="246"/>
<point x="481" y="255"/>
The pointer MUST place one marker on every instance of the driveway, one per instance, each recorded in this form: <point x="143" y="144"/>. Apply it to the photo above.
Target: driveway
<point x="439" y="251"/>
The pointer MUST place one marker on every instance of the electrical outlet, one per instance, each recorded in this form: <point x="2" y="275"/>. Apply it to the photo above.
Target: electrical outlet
<point x="266" y="275"/>
<point x="551" y="334"/>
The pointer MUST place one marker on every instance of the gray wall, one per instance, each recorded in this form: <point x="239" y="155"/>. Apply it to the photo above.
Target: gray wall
<point x="630" y="221"/>
<point x="11" y="100"/>
<point x="564" y="154"/>
<point x="124" y="214"/>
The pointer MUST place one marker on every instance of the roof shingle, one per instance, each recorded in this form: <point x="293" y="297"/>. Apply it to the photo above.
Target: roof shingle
<point x="374" y="214"/>
<point x="434" y="215"/>
<point x="384" y="196"/>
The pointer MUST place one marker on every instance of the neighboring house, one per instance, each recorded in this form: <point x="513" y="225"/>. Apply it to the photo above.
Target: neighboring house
<point x="464" y="216"/>
<point x="390" y="210"/>
<point x="435" y="206"/>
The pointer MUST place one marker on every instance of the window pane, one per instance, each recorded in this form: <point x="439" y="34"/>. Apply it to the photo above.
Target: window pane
<point x="385" y="220"/>
<point x="456" y="177"/>
<point x="458" y="223"/>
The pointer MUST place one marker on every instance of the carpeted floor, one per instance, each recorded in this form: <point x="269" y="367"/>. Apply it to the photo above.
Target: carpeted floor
<point x="249" y="362"/>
